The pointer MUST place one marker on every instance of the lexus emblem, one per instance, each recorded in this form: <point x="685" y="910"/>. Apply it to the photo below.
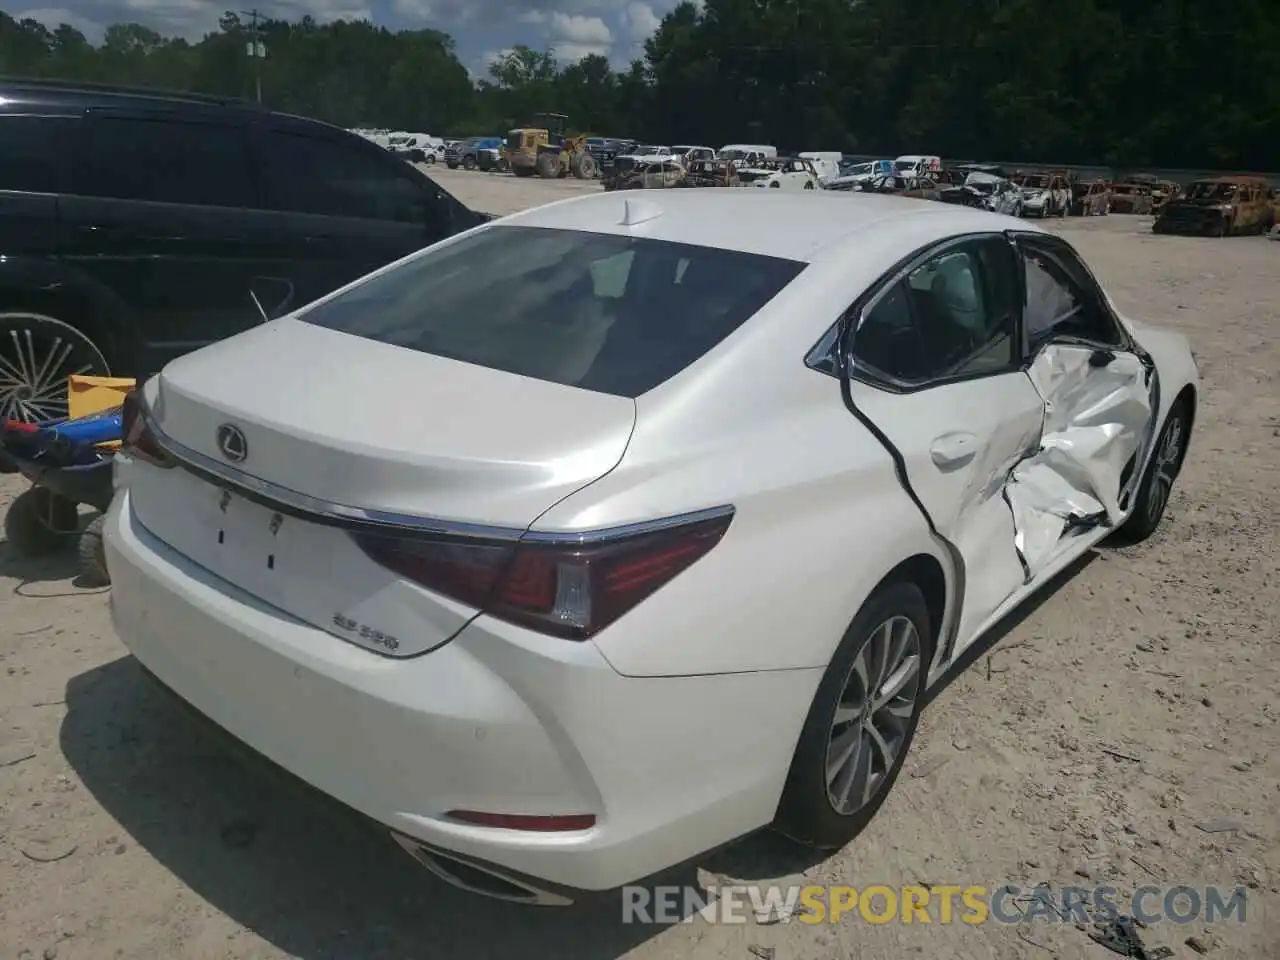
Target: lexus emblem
<point x="231" y="443"/>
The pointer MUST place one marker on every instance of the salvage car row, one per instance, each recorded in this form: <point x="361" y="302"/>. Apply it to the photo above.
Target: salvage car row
<point x="1217" y="206"/>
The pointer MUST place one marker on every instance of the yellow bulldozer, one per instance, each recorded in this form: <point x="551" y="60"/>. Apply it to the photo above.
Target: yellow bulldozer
<point x="543" y="149"/>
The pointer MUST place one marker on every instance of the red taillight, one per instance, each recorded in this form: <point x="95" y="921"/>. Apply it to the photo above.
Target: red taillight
<point x="136" y="438"/>
<point x="20" y="427"/>
<point x="520" y="821"/>
<point x="571" y="590"/>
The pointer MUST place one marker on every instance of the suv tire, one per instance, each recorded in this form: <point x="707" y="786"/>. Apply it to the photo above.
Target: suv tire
<point x="37" y="354"/>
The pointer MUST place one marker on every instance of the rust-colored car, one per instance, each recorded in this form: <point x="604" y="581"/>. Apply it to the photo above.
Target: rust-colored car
<point x="711" y="173"/>
<point x="1090" y="198"/>
<point x="1161" y="190"/>
<point x="1221" y="206"/>
<point x="920" y="188"/>
<point x="1131" y="198"/>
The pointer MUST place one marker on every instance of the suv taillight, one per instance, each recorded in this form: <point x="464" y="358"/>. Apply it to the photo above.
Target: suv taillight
<point x="136" y="438"/>
<point x="570" y="590"/>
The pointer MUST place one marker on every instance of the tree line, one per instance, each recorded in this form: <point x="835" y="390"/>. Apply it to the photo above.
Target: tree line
<point x="1125" y="83"/>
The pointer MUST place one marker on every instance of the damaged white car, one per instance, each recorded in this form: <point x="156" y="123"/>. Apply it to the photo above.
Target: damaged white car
<point x="604" y="533"/>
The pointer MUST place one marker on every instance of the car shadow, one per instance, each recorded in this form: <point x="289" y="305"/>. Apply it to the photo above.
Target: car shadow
<point x="311" y="877"/>
<point x="61" y="564"/>
<point x="992" y="637"/>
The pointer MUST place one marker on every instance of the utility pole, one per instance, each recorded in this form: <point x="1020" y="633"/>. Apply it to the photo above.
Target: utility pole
<point x="257" y="50"/>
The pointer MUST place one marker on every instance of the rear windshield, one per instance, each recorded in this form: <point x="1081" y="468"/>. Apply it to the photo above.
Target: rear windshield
<point x="612" y="314"/>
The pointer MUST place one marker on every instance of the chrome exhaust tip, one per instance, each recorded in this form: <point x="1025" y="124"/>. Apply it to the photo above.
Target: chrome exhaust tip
<point x="482" y="879"/>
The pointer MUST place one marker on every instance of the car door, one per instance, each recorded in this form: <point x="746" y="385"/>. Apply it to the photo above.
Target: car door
<point x="1100" y="393"/>
<point x="937" y="369"/>
<point x="162" y="212"/>
<point x="342" y="209"/>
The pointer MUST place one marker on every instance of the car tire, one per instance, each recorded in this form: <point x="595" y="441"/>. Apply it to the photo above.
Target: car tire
<point x="468" y="162"/>
<point x="814" y="809"/>
<point x="39" y="521"/>
<point x="37" y="354"/>
<point x="451" y="164"/>
<point x="431" y="158"/>
<point x="93" y="555"/>
<point x="1162" y="470"/>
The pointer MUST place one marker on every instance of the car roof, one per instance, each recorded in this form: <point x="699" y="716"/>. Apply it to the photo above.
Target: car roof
<point x="800" y="226"/>
<point x="75" y="96"/>
<point x="81" y="94"/>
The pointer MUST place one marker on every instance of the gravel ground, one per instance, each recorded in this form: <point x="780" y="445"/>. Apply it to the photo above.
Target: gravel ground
<point x="1134" y="702"/>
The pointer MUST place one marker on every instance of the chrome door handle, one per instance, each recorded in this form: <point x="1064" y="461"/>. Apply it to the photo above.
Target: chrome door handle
<point x="953" y="449"/>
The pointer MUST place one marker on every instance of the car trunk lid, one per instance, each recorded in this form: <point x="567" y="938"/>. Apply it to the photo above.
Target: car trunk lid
<point x="339" y="430"/>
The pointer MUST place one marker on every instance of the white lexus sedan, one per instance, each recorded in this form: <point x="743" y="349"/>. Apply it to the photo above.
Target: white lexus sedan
<point x="604" y="533"/>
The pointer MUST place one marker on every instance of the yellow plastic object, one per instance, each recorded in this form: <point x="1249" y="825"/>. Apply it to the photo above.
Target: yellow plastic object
<point x="89" y="395"/>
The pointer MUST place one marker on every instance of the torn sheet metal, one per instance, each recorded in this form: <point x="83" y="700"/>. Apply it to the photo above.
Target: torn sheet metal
<point x="1096" y="420"/>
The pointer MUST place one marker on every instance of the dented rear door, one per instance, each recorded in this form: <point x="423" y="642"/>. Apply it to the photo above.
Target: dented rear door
<point x="937" y="371"/>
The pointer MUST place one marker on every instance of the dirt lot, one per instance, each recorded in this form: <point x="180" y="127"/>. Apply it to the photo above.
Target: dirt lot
<point x="1137" y="700"/>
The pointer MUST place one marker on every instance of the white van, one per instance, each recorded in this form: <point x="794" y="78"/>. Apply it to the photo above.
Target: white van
<point x="740" y="151"/>
<point x="825" y="162"/>
<point x="915" y="165"/>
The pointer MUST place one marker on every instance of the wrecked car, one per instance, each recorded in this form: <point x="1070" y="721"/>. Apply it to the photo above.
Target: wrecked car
<point x="1161" y="191"/>
<point x="917" y="188"/>
<point x="625" y="166"/>
<point x="1219" y="207"/>
<point x="710" y="173"/>
<point x="652" y="175"/>
<point x="1043" y="194"/>
<point x="852" y="175"/>
<point x="359" y="598"/>
<point x="1134" y="198"/>
<point x="784" y="173"/>
<point x="1090" y="198"/>
<point x="986" y="192"/>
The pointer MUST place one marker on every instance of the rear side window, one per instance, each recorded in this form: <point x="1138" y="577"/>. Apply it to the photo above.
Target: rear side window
<point x="612" y="314"/>
<point x="313" y="175"/>
<point x="34" y="152"/>
<point x="169" y="161"/>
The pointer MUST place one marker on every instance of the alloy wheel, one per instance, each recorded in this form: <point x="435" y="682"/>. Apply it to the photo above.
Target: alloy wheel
<point x="37" y="355"/>
<point x="1168" y="456"/>
<point x="873" y="717"/>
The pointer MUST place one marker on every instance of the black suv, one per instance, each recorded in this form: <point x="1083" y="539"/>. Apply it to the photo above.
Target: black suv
<point x="137" y="225"/>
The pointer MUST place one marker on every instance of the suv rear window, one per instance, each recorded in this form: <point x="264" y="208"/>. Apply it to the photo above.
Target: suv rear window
<point x="613" y="314"/>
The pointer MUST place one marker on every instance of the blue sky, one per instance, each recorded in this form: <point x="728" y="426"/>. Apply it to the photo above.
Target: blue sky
<point x="482" y="28"/>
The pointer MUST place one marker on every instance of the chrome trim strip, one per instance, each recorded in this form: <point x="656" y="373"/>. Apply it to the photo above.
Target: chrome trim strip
<point x="326" y="511"/>
<point x="607" y="534"/>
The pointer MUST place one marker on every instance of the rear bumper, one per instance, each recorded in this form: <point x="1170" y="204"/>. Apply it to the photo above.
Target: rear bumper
<point x="499" y="720"/>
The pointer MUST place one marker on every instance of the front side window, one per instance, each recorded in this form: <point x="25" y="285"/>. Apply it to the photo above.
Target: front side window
<point x="170" y="161"/>
<point x="952" y="316"/>
<point x="613" y="314"/>
<point x="34" y="152"/>
<point x="306" y="174"/>
<point x="1061" y="298"/>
